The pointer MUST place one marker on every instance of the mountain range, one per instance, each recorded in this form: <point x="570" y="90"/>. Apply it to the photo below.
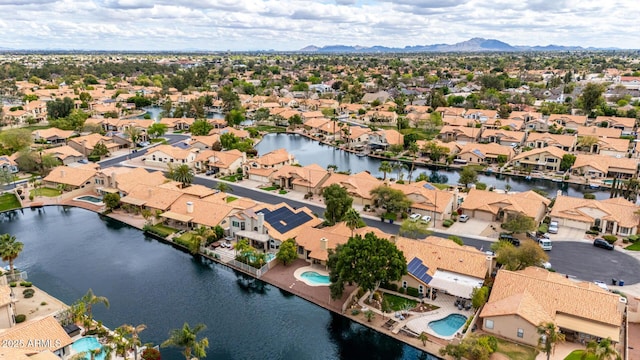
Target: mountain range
<point x="471" y="45"/>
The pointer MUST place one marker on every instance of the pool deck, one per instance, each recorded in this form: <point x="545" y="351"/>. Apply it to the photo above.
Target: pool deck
<point x="299" y="271"/>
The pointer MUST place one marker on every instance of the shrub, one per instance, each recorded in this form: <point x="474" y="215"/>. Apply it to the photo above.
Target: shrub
<point x="481" y="186"/>
<point x="28" y="291"/>
<point x="634" y="238"/>
<point x="28" y="295"/>
<point x="589" y="196"/>
<point x="447" y="223"/>
<point x="610" y="238"/>
<point x="43" y="303"/>
<point x="592" y="232"/>
<point x="392" y="287"/>
<point x="412" y="291"/>
<point x="13" y="284"/>
<point x="401" y="290"/>
<point x="625" y="241"/>
<point x="543" y="228"/>
<point x="360" y="293"/>
<point x="20" y="318"/>
<point x="355" y="312"/>
<point x="151" y="354"/>
<point x="26" y="284"/>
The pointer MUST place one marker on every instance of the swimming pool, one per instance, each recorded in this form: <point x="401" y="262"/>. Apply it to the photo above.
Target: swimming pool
<point x="86" y="344"/>
<point x="315" y="278"/>
<point x="449" y="325"/>
<point x="90" y="199"/>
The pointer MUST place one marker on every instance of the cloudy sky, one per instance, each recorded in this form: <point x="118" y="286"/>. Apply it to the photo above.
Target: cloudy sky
<point x="294" y="24"/>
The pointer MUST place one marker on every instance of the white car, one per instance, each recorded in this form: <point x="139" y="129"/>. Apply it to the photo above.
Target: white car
<point x="426" y="219"/>
<point x="414" y="217"/>
<point x="602" y="285"/>
<point x="553" y="227"/>
<point x="463" y="218"/>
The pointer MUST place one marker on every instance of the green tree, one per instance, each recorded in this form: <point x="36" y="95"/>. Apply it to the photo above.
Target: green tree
<point x="468" y="175"/>
<point x="367" y="261"/>
<point x="567" y="161"/>
<point x="183" y="174"/>
<point x="295" y="120"/>
<point x="235" y="117"/>
<point x="550" y="335"/>
<point x="369" y="315"/>
<point x="503" y="111"/>
<point x="517" y="258"/>
<point x="230" y="100"/>
<point x="224" y="187"/>
<point x="413" y="229"/>
<point x="604" y="350"/>
<point x="456" y="239"/>
<point x="392" y="199"/>
<point x="591" y="97"/>
<point x="187" y="339"/>
<point x="479" y="297"/>
<point x="228" y="140"/>
<point x="288" y="252"/>
<point x="586" y="142"/>
<point x="60" y="108"/>
<point x="100" y="149"/>
<point x="385" y="167"/>
<point x="472" y="347"/>
<point x="337" y="201"/>
<point x="157" y="130"/>
<point x="15" y="139"/>
<point x="10" y="248"/>
<point x="134" y="342"/>
<point x="133" y="133"/>
<point x="434" y="151"/>
<point x="200" y="127"/>
<point x="520" y="223"/>
<point x="424" y="338"/>
<point x="111" y="200"/>
<point x="262" y="114"/>
<point x="352" y="219"/>
<point x="90" y="299"/>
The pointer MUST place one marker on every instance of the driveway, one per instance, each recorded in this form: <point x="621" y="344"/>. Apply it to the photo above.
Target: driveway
<point x="568" y="234"/>
<point x="474" y="227"/>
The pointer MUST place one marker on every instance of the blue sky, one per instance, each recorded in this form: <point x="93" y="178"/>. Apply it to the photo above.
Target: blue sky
<point x="290" y="25"/>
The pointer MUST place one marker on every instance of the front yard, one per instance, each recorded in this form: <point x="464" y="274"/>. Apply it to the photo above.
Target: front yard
<point x="9" y="201"/>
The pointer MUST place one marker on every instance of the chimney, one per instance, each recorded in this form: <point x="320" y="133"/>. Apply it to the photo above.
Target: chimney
<point x="490" y="264"/>
<point x="189" y="207"/>
<point x="323" y="243"/>
<point x="113" y="179"/>
<point x="260" y="222"/>
<point x="61" y="173"/>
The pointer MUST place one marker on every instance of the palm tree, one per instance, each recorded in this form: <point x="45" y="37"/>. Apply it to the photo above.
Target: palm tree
<point x="424" y="338"/>
<point x="604" y="350"/>
<point x="224" y="187"/>
<point x="550" y="335"/>
<point x="183" y="174"/>
<point x="352" y="219"/>
<point x="398" y="166"/>
<point x="90" y="299"/>
<point x="385" y="167"/>
<point x="134" y="134"/>
<point x="135" y="340"/>
<point x="10" y="248"/>
<point x="187" y="338"/>
<point x="413" y="150"/>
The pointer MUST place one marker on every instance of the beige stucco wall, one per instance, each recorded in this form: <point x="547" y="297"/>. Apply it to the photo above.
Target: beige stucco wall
<point x="6" y="316"/>
<point x="507" y="327"/>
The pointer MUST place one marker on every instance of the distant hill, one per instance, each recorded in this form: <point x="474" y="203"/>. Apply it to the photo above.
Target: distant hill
<point x="471" y="45"/>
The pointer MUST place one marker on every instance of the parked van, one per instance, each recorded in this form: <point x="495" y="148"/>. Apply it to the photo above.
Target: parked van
<point x="545" y="244"/>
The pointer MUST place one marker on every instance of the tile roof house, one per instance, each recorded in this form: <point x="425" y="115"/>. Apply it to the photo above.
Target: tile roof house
<point x="303" y="179"/>
<point x="176" y="124"/>
<point x="50" y="334"/>
<point x="8" y="164"/>
<point x="627" y="125"/>
<point x="536" y="140"/>
<point x="502" y="137"/>
<point x="153" y="198"/>
<point x="541" y="159"/>
<point x="52" y="135"/>
<point x="358" y="185"/>
<point x="65" y="154"/>
<point x="568" y="121"/>
<point x="122" y="179"/>
<point x="598" y="131"/>
<point x="616" y="215"/>
<point x="169" y="155"/>
<point x="428" y="200"/>
<point x="494" y="206"/>
<point x="510" y="124"/>
<point x="474" y="153"/>
<point x="612" y="147"/>
<point x="460" y="134"/>
<point x="602" y="166"/>
<point x="260" y="168"/>
<point x="239" y="133"/>
<point x="446" y="111"/>
<point x="86" y="144"/>
<point x="481" y="115"/>
<point x="193" y="212"/>
<point x="314" y="245"/>
<point x="220" y="162"/>
<point x="204" y="142"/>
<point x="521" y="300"/>
<point x="70" y="177"/>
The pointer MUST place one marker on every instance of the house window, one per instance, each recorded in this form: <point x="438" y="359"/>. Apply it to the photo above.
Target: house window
<point x="421" y="289"/>
<point x="153" y="157"/>
<point x="520" y="333"/>
<point x="488" y="324"/>
<point x="624" y="230"/>
<point x="242" y="226"/>
<point x="404" y="284"/>
<point x="235" y="224"/>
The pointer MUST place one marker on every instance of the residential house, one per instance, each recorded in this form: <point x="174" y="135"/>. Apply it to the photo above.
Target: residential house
<point x="86" y="144"/>
<point x="541" y="159"/>
<point x="380" y="116"/>
<point x="168" y="155"/>
<point x="65" y="154"/>
<point x="239" y="133"/>
<point x="314" y="246"/>
<point x="271" y="160"/>
<point x="8" y="164"/>
<point x="357" y="137"/>
<point x="306" y="179"/>
<point x="268" y="226"/>
<point x="602" y="166"/>
<point x="51" y="135"/>
<point x="459" y="121"/>
<point x="506" y="124"/>
<point x="358" y="186"/>
<point x="526" y="116"/>
<point x="204" y="142"/>
<point x="491" y="153"/>
<point x="70" y="178"/>
<point x="503" y="137"/>
<point x="441" y="264"/>
<point x="220" y="162"/>
<point x="322" y="128"/>
<point x="153" y="198"/>
<point x="497" y="206"/>
<point x="522" y="300"/>
<point x="454" y="147"/>
<point x="461" y="134"/>
<point x="626" y="125"/>
<point x="598" y="132"/>
<point x="447" y="111"/>
<point x="382" y="139"/>
<point x="481" y="115"/>
<point x="121" y="179"/>
<point x="192" y="212"/>
<point x="568" y="121"/>
<point x="612" y="147"/>
<point x="380" y="96"/>
<point x="41" y="336"/>
<point x="537" y="140"/>
<point x="177" y="124"/>
<point x="428" y="200"/>
<point x="616" y="216"/>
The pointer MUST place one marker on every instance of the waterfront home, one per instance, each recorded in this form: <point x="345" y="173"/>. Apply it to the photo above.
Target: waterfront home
<point x="382" y="139"/>
<point x="602" y="166"/>
<point x="313" y="244"/>
<point x="441" y="264"/>
<point x="177" y="124"/>
<point x="625" y="124"/>
<point x="357" y="137"/>
<point x="37" y="336"/>
<point x="358" y="185"/>
<point x="540" y="159"/>
<point x="490" y="153"/>
<point x="165" y="156"/>
<point x="267" y="226"/>
<point x="70" y="178"/>
<point x="461" y="134"/>
<point x="611" y="147"/>
<point x="502" y="137"/>
<point x="7" y="306"/>
<point x="51" y="135"/>
<point x="310" y="115"/>
<point x="65" y="154"/>
<point x="121" y="179"/>
<point x="322" y="128"/>
<point x="598" y="132"/>
<point x="428" y="200"/>
<point x="153" y="198"/>
<point x="274" y="160"/>
<point x="8" y="164"/>
<point x="192" y="212"/>
<point x="204" y="142"/>
<point x="521" y="300"/>
<point x="239" y="133"/>
<point x="453" y="146"/>
<point x="86" y="144"/>
<point x="616" y="216"/>
<point x="304" y="179"/>
<point x="536" y="140"/>
<point x="568" y="121"/>
<point x="220" y="162"/>
<point x="446" y="111"/>
<point x="498" y="206"/>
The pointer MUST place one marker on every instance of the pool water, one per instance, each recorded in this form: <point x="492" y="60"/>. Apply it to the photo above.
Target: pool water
<point x="314" y="277"/>
<point x="449" y="325"/>
<point x="86" y="344"/>
<point x="90" y="198"/>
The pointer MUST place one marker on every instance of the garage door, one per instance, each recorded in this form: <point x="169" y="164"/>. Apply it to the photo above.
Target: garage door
<point x="482" y="215"/>
<point x="574" y="224"/>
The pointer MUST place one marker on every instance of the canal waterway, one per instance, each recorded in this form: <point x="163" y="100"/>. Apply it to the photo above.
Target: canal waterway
<point x="308" y="151"/>
<point x="154" y="113"/>
<point x="69" y="250"/>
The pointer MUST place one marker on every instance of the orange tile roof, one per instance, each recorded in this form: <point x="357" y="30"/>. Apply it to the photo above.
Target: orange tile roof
<point x="528" y="203"/>
<point x="617" y="209"/>
<point x="47" y="329"/>
<point x="73" y="176"/>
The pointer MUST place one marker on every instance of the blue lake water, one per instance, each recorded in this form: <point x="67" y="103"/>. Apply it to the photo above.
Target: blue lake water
<point x="69" y="250"/>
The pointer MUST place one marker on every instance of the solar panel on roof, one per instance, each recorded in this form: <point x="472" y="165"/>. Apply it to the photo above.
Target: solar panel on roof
<point x="429" y="186"/>
<point x="283" y="219"/>
<point x="419" y="270"/>
<point x="478" y="152"/>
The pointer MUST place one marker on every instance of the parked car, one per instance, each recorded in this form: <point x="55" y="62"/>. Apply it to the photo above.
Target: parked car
<point x="415" y="217"/>
<point x="553" y="227"/>
<point x="210" y="172"/>
<point x="601" y="284"/>
<point x="463" y="218"/>
<point x="426" y="219"/>
<point x="509" y="238"/>
<point x="545" y="244"/>
<point x="602" y="243"/>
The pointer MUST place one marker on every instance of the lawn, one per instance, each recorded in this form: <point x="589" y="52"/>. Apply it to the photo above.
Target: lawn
<point x="271" y="129"/>
<point x="634" y="247"/>
<point x="270" y="188"/>
<point x="577" y="355"/>
<point x="48" y="192"/>
<point x="9" y="201"/>
<point x="231" y="198"/>
<point x="441" y="186"/>
<point x="397" y="302"/>
<point x="162" y="230"/>
<point x="516" y="351"/>
<point x="230" y="178"/>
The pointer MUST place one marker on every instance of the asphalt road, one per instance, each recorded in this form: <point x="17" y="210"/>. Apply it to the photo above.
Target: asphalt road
<point x="579" y="259"/>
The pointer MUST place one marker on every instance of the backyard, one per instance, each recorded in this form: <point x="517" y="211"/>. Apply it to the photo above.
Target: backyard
<point x="577" y="355"/>
<point x="161" y="230"/>
<point x="45" y="191"/>
<point x="398" y="303"/>
<point x="516" y="351"/>
<point x="9" y="201"/>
